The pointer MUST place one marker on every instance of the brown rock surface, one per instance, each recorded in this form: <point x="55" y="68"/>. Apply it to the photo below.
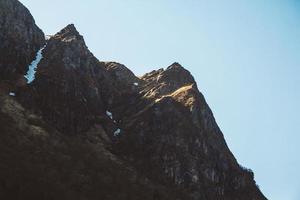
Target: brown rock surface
<point x="85" y="129"/>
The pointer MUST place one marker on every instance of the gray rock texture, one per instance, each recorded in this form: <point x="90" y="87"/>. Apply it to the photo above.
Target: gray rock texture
<point x="86" y="130"/>
<point x="20" y="39"/>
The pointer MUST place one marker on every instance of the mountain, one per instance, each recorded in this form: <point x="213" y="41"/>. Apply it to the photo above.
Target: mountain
<point x="86" y="129"/>
<point x="20" y="38"/>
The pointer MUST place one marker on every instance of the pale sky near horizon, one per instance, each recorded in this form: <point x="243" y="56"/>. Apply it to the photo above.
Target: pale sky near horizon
<point x="244" y="55"/>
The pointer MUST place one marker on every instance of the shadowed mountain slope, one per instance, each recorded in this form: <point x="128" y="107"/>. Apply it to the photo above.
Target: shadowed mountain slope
<point x="20" y="39"/>
<point x="86" y="129"/>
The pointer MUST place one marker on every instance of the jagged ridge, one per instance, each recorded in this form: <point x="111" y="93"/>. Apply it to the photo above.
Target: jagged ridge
<point x="168" y="144"/>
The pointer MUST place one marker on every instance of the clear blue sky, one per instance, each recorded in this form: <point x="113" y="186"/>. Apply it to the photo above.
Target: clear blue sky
<point x="245" y="56"/>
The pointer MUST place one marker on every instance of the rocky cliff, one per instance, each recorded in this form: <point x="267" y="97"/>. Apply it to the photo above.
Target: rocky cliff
<point x="20" y="39"/>
<point x="86" y="129"/>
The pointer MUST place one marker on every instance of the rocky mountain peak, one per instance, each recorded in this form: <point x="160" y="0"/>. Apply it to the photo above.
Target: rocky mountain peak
<point x="71" y="84"/>
<point x="85" y="129"/>
<point x="69" y="49"/>
<point x="68" y="34"/>
<point x="175" y="65"/>
<point x="163" y="82"/>
<point x="122" y="77"/>
<point x="177" y="74"/>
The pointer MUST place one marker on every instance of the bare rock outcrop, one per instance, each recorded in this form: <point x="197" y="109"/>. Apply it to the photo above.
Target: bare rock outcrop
<point x="84" y="129"/>
<point x="20" y="39"/>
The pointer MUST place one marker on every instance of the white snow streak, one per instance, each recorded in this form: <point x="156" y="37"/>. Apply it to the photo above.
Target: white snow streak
<point x="117" y="132"/>
<point x="30" y="76"/>
<point x="109" y="114"/>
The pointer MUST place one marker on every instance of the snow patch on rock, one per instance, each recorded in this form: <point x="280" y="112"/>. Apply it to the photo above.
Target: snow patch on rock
<point x="47" y="37"/>
<point x="30" y="76"/>
<point x="117" y="132"/>
<point x="109" y="114"/>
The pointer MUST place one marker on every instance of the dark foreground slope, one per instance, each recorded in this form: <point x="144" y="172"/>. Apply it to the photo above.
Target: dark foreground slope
<point x="85" y="129"/>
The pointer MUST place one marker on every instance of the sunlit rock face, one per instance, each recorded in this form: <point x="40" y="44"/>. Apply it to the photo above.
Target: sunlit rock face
<point x="85" y="130"/>
<point x="20" y="39"/>
<point x="174" y="137"/>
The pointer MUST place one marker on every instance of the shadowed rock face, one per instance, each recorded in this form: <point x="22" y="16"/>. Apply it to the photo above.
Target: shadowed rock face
<point x="85" y="129"/>
<point x="66" y="88"/>
<point x="20" y="39"/>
